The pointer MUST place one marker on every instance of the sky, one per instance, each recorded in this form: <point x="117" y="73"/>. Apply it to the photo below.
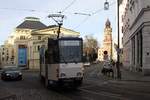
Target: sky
<point x="13" y="12"/>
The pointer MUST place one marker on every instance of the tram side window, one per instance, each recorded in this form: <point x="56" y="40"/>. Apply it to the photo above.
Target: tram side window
<point x="51" y="55"/>
<point x="55" y="55"/>
<point x="48" y="56"/>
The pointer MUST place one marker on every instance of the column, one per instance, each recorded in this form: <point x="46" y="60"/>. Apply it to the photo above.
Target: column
<point x="136" y="52"/>
<point x="146" y="50"/>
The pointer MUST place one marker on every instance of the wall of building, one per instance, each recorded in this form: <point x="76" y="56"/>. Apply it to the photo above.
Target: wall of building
<point x="7" y="55"/>
<point x="146" y="49"/>
<point x="135" y="26"/>
<point x="35" y="43"/>
<point x="32" y="39"/>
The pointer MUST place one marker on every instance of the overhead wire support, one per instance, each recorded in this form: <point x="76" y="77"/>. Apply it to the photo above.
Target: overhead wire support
<point x="59" y="22"/>
<point x="83" y="14"/>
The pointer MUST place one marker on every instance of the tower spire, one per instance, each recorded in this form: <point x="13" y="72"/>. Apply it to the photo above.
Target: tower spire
<point x="107" y="24"/>
<point x="107" y="42"/>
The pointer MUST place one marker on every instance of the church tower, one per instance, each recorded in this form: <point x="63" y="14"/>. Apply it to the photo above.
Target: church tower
<point x="107" y="42"/>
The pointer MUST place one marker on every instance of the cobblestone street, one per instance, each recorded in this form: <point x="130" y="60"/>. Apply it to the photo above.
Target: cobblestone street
<point x="95" y="87"/>
<point x="30" y="88"/>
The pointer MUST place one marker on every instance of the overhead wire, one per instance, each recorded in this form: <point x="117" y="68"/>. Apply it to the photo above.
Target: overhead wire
<point x="92" y="14"/>
<point x="83" y="21"/>
<point x="68" y="6"/>
<point x="46" y="11"/>
<point x="28" y="10"/>
<point x="33" y="10"/>
<point x="101" y="9"/>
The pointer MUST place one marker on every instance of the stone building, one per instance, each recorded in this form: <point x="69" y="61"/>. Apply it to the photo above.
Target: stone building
<point x="40" y="37"/>
<point x="136" y="35"/>
<point x="29" y="36"/>
<point x="7" y="54"/>
<point x="22" y="39"/>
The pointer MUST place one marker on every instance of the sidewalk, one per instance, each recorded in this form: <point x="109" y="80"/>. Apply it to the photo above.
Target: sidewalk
<point x="133" y="76"/>
<point x="126" y="75"/>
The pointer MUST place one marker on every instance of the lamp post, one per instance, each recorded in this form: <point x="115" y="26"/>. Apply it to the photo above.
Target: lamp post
<point x="106" y="7"/>
<point x="59" y="22"/>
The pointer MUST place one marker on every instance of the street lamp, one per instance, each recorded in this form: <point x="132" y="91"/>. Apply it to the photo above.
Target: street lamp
<point x="106" y="7"/>
<point x="59" y="22"/>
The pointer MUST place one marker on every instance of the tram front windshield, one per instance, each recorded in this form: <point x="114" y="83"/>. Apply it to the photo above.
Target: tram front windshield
<point x="70" y="51"/>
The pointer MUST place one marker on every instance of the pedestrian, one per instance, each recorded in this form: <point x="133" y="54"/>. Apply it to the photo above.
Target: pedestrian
<point x="111" y="71"/>
<point x="107" y="68"/>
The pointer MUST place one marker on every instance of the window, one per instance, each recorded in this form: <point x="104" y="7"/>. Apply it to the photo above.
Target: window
<point x="38" y="47"/>
<point x="7" y="58"/>
<point x="3" y="59"/>
<point x="133" y="4"/>
<point x="70" y="51"/>
<point x="122" y="29"/>
<point x="34" y="48"/>
<point x="131" y="9"/>
<point x="22" y="37"/>
<point x="39" y="37"/>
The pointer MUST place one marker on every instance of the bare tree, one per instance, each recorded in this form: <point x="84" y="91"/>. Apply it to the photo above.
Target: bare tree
<point x="90" y="48"/>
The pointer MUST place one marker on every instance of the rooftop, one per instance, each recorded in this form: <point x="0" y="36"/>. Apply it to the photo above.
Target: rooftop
<point x="31" y="23"/>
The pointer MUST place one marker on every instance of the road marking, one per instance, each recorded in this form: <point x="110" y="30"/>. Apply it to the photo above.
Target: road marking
<point x="107" y="94"/>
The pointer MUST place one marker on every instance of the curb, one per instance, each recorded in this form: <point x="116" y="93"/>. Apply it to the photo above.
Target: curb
<point x="137" y="81"/>
<point x="30" y="70"/>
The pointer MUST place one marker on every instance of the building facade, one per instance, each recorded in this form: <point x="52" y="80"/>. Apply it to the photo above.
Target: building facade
<point x="40" y="38"/>
<point x="28" y="37"/>
<point x="22" y="34"/>
<point x="7" y="56"/>
<point x="136" y="35"/>
<point x="107" y="43"/>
